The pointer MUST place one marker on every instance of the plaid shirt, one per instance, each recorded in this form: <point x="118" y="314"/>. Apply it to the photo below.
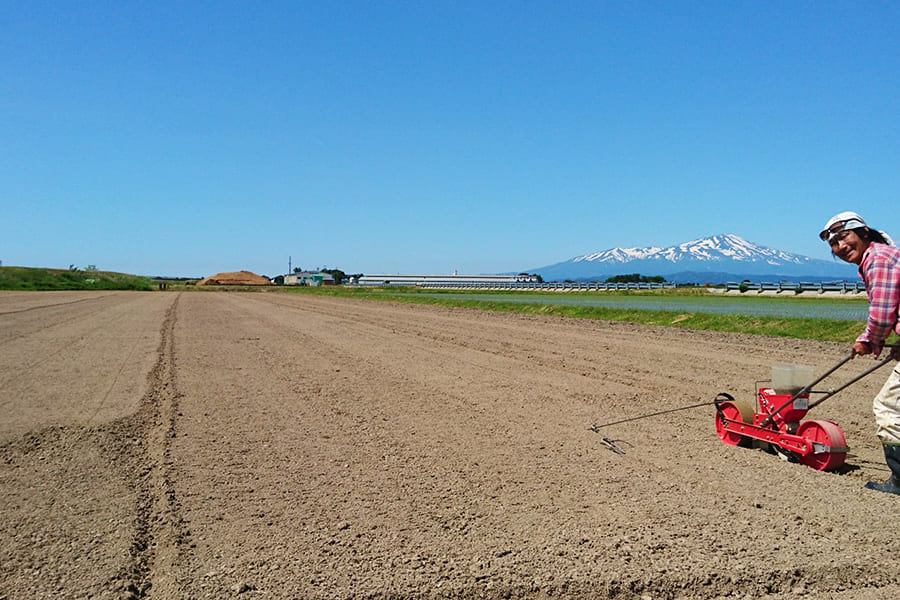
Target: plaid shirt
<point x="880" y="270"/>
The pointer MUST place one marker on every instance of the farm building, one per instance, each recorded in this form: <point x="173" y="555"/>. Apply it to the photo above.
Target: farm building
<point x="309" y="278"/>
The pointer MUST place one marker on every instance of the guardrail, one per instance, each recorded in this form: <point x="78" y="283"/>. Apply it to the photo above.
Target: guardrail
<point x="844" y="287"/>
<point x="528" y="285"/>
<point x="570" y="285"/>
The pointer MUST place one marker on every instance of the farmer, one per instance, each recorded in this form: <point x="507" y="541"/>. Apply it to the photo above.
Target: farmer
<point x="851" y="240"/>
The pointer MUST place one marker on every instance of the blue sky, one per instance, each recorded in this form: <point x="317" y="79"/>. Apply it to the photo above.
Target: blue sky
<point x="190" y="138"/>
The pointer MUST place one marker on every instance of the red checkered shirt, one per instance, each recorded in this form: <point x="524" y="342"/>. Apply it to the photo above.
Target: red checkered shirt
<point x="880" y="269"/>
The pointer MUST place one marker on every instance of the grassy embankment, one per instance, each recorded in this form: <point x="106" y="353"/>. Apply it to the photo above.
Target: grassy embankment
<point x="36" y="279"/>
<point x="802" y="328"/>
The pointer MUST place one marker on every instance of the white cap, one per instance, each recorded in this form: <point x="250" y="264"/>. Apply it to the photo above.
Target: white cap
<point x="845" y="220"/>
<point x="848" y="220"/>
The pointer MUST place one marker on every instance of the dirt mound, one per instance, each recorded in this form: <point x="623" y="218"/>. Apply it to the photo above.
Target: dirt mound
<point x="235" y="278"/>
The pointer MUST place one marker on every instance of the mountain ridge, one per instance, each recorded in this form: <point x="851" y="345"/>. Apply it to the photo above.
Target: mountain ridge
<point x="715" y="259"/>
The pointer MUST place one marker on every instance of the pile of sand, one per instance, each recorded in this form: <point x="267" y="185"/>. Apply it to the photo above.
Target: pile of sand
<point x="235" y="278"/>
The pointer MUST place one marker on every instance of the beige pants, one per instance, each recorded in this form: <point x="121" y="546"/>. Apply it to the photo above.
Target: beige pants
<point x="887" y="409"/>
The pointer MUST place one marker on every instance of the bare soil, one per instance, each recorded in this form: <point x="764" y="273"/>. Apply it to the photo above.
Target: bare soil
<point x="170" y="445"/>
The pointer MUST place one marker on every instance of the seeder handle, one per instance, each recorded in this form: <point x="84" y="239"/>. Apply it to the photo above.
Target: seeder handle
<point x="881" y="363"/>
<point x="808" y="387"/>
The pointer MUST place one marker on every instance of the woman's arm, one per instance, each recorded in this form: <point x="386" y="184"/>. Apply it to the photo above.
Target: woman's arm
<point x="882" y="278"/>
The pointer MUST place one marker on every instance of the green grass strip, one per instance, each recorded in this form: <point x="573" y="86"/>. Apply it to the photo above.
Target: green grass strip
<point x="792" y="327"/>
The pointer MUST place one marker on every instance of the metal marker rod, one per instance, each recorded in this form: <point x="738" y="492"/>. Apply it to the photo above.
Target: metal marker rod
<point x="852" y="381"/>
<point x="594" y="428"/>
<point x="805" y="389"/>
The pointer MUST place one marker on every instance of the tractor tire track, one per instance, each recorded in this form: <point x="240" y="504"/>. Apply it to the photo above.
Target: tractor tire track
<point x="160" y="535"/>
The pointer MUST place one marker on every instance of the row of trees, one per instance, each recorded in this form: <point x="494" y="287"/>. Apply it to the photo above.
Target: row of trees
<point x="636" y="278"/>
<point x="631" y="278"/>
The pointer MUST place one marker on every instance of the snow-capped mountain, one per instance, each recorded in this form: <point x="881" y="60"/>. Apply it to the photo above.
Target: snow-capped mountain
<point x="714" y="259"/>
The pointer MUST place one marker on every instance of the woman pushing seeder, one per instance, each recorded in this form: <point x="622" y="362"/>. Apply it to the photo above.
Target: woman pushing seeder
<point x="878" y="260"/>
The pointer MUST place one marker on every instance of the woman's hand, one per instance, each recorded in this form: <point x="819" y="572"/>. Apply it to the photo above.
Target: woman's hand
<point x="861" y="349"/>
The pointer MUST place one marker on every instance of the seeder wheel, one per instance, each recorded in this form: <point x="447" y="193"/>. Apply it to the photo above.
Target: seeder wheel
<point x="828" y="434"/>
<point x="734" y="410"/>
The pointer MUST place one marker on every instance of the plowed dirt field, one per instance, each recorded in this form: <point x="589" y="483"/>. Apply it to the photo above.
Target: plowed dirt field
<point x="201" y="445"/>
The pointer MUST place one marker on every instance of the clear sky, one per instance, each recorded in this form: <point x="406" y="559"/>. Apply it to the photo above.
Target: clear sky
<point x="190" y="138"/>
